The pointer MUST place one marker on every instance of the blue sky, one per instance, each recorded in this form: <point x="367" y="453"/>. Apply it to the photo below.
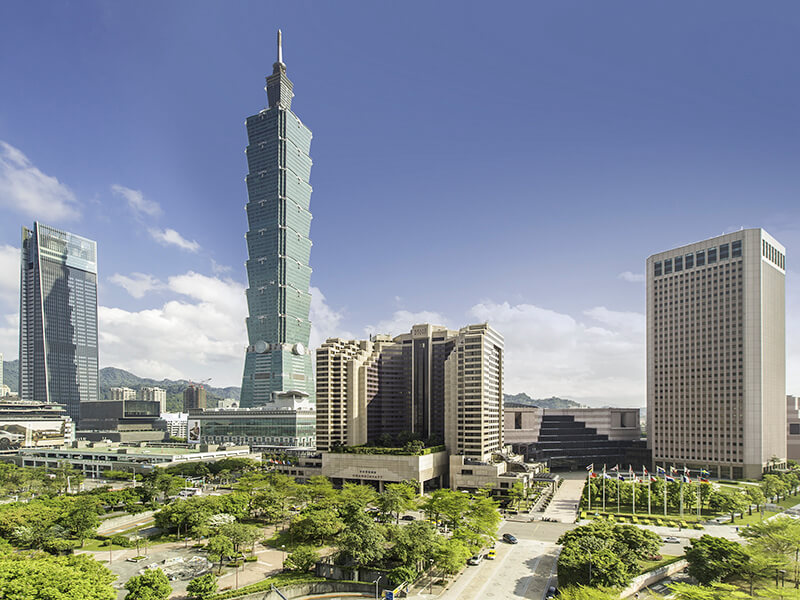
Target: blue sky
<point x="514" y="161"/>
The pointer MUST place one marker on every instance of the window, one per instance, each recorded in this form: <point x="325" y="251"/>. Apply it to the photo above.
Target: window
<point x="518" y="420"/>
<point x="701" y="257"/>
<point x="736" y="248"/>
<point x="712" y="255"/>
<point x="794" y="428"/>
<point x="678" y="263"/>
<point x="668" y="266"/>
<point x="689" y="261"/>
<point x="723" y="251"/>
<point x="657" y="269"/>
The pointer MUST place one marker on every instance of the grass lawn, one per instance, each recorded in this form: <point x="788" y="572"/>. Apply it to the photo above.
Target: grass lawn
<point x="280" y="538"/>
<point x="95" y="545"/>
<point x="649" y="565"/>
<point x="754" y="518"/>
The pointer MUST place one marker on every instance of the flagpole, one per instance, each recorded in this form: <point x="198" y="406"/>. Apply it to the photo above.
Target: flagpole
<point x="589" y="486"/>
<point x="618" y="487"/>
<point x="665" y="493"/>
<point x="682" y="478"/>
<point x="604" y="488"/>
<point x="633" y="490"/>
<point x="649" y="482"/>
<point x="699" y="483"/>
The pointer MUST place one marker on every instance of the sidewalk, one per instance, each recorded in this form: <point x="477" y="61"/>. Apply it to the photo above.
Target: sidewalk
<point x="564" y="505"/>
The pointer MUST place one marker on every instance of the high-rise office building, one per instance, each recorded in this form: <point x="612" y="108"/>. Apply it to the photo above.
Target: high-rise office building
<point x="716" y="363"/>
<point x="277" y="368"/>
<point x="155" y="394"/>
<point x="58" y="319"/>
<point x="194" y="398"/>
<point x="440" y="385"/>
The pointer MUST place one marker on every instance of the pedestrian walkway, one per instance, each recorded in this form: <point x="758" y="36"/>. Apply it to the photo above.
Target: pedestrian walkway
<point x="564" y="505"/>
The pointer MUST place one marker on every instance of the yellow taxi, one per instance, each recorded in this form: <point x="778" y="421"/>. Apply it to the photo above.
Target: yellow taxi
<point x="491" y="554"/>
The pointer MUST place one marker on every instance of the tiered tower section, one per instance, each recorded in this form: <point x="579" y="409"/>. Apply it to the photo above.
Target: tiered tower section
<point x="277" y="370"/>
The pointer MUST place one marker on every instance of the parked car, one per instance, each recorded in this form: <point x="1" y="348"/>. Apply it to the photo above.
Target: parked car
<point x="408" y="518"/>
<point x="492" y="554"/>
<point x="672" y="540"/>
<point x="475" y="560"/>
<point x="509" y="539"/>
<point x="552" y="592"/>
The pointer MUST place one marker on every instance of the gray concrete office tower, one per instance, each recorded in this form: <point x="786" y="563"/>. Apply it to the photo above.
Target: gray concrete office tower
<point x="58" y="359"/>
<point x="716" y="355"/>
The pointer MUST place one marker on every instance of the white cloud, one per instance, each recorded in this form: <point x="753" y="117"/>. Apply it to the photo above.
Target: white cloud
<point x="136" y="201"/>
<point x="631" y="277"/>
<point x="199" y="335"/>
<point x="9" y="301"/>
<point x="219" y="269"/>
<point x="137" y="284"/>
<point x="25" y="189"/>
<point x="599" y="359"/>
<point x="402" y="321"/>
<point x="325" y="321"/>
<point x="172" y="237"/>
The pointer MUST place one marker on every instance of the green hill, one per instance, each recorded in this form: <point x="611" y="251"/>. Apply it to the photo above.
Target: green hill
<point x="554" y="402"/>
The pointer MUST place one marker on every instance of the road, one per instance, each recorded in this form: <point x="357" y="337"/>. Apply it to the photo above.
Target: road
<point x="522" y="570"/>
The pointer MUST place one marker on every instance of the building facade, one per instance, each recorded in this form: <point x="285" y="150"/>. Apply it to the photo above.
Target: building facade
<point x="277" y="368"/>
<point x="716" y="363"/>
<point x="194" y="398"/>
<point x="58" y="319"/>
<point x="154" y="394"/>
<point x="34" y="425"/>
<point x="122" y="393"/>
<point x="439" y="385"/>
<point x="793" y="428"/>
<point x="263" y="429"/>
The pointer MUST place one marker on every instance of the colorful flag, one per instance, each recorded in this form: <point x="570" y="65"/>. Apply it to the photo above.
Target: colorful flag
<point x="668" y="478"/>
<point x="659" y="470"/>
<point x="704" y="473"/>
<point x="673" y="470"/>
<point x="653" y="478"/>
<point x="686" y="479"/>
<point x="614" y="468"/>
<point x="593" y="475"/>
<point x="621" y="477"/>
<point x="703" y="480"/>
<point x="644" y="470"/>
<point x="590" y="468"/>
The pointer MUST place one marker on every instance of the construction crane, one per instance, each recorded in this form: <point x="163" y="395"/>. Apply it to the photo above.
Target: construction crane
<point x="200" y="383"/>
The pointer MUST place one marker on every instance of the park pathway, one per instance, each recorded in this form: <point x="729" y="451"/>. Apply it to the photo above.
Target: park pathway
<point x="564" y="505"/>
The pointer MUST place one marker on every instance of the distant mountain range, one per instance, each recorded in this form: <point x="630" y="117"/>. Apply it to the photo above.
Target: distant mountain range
<point x="524" y="400"/>
<point x="113" y="377"/>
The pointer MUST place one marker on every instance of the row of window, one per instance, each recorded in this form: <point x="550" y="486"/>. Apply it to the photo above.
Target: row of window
<point x="773" y="254"/>
<point x="699" y="258"/>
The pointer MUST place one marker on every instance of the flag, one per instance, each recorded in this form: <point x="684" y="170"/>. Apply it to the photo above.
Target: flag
<point x="653" y="478"/>
<point x="590" y="468"/>
<point x="668" y="478"/>
<point x="621" y="477"/>
<point x="686" y="471"/>
<point x="614" y="468"/>
<point x="593" y="475"/>
<point x="673" y="471"/>
<point x="644" y="470"/>
<point x="703" y="480"/>
<point x="659" y="470"/>
<point x="704" y="473"/>
<point x="686" y="479"/>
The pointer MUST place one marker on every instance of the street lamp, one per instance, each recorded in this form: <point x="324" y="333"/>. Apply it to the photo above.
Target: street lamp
<point x="376" y="585"/>
<point x="430" y="589"/>
<point x="283" y="564"/>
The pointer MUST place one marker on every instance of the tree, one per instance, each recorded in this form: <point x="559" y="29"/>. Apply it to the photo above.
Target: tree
<point x="592" y="561"/>
<point x="362" y="540"/>
<point x="756" y="496"/>
<point x="240" y="534"/>
<point x="302" y="559"/>
<point x="716" y="591"/>
<point x="396" y="498"/>
<point x="316" y="526"/>
<point x="202" y="587"/>
<point x="758" y="565"/>
<point x="39" y="575"/>
<point x="150" y="585"/>
<point x="450" y="555"/>
<point x="219" y="548"/>
<point x="713" y="559"/>
<point x="416" y="544"/>
<point x="82" y="519"/>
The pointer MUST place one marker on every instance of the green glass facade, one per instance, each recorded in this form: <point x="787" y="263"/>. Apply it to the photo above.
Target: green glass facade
<point x="277" y="369"/>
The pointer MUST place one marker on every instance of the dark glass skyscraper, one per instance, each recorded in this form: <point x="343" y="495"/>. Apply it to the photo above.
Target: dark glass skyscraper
<point x="58" y="318"/>
<point x="277" y="369"/>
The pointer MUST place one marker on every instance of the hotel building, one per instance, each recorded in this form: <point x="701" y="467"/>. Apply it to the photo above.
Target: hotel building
<point x="716" y="362"/>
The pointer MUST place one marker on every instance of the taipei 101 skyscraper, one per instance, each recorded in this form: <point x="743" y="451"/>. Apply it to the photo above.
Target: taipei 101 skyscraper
<point x="277" y="368"/>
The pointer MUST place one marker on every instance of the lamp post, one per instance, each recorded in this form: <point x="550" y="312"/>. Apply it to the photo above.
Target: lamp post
<point x="376" y="585"/>
<point x="430" y="589"/>
<point x="283" y="548"/>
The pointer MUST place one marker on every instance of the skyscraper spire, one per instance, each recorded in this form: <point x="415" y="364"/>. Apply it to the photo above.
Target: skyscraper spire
<point x="279" y="87"/>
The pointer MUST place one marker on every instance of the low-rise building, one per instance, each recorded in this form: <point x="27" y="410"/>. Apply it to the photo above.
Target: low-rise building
<point x="175" y="424"/>
<point x="263" y="429"/>
<point x="572" y="438"/>
<point x="128" y="421"/>
<point x="34" y="424"/>
<point x="92" y="459"/>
